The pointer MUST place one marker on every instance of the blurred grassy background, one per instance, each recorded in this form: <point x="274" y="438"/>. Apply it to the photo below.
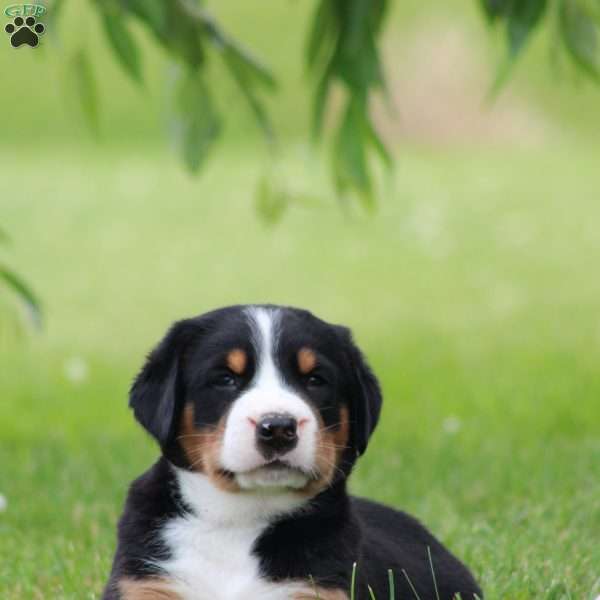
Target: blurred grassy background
<point x="472" y="290"/>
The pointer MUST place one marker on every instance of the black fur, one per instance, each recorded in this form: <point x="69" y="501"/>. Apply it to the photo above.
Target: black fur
<point x="341" y="530"/>
<point x="153" y="499"/>
<point x="336" y="529"/>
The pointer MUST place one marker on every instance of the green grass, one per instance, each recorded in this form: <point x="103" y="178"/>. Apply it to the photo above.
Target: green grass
<point x="474" y="292"/>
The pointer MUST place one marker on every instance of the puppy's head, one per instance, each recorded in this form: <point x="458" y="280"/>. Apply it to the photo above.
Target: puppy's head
<point x="259" y="397"/>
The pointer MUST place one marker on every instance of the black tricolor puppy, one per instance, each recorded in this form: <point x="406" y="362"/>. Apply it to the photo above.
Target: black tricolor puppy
<point x="260" y="413"/>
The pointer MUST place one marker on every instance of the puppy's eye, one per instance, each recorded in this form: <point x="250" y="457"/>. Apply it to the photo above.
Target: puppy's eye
<point x="315" y="380"/>
<point x="225" y="381"/>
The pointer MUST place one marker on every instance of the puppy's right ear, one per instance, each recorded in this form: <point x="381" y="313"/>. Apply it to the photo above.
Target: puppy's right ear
<point x="156" y="395"/>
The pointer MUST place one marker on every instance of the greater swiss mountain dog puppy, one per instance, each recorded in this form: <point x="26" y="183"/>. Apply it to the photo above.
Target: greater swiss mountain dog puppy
<point x="260" y="413"/>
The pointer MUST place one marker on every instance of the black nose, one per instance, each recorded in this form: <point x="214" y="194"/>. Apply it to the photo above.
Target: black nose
<point x="276" y="434"/>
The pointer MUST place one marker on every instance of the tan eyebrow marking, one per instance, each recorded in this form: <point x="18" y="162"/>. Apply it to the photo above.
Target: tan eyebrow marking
<point x="307" y="360"/>
<point x="237" y="361"/>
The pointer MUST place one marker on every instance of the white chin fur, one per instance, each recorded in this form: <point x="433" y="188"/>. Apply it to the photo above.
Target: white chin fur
<point x="265" y="478"/>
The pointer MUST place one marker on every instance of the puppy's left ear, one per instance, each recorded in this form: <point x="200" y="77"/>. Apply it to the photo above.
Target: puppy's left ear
<point x="156" y="394"/>
<point x="365" y="394"/>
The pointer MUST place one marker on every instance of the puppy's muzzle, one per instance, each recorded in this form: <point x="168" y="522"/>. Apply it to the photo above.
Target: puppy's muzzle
<point x="276" y="434"/>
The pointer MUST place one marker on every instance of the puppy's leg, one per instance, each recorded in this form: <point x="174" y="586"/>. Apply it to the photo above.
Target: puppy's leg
<point x="151" y="588"/>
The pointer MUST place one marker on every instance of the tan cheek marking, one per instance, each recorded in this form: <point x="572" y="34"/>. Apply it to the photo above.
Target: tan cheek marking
<point x="202" y="447"/>
<point x="331" y="444"/>
<point x="237" y="361"/>
<point x="319" y="593"/>
<point x="339" y="437"/>
<point x="153" y="588"/>
<point x="307" y="360"/>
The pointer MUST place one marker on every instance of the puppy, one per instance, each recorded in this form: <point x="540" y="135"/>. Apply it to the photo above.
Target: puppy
<point x="260" y="413"/>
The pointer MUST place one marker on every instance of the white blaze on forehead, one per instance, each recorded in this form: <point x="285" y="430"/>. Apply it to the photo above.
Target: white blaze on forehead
<point x="265" y="332"/>
<point x="267" y="393"/>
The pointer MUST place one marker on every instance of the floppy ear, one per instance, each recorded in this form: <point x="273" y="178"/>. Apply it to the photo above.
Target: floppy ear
<point x="156" y="395"/>
<point x="365" y="394"/>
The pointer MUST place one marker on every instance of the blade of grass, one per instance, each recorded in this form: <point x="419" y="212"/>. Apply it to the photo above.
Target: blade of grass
<point x="353" y="583"/>
<point x="391" y="584"/>
<point x="412" y="587"/>
<point x="437" y="594"/>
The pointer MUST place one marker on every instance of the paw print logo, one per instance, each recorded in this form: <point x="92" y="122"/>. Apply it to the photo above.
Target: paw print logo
<point x="24" y="31"/>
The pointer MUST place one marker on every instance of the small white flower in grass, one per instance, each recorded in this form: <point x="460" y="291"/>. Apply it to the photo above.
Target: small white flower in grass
<point x="451" y="425"/>
<point x="426" y="223"/>
<point x="3" y="503"/>
<point x="76" y="369"/>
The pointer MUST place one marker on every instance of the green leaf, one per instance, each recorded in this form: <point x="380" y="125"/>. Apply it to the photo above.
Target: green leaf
<point x="343" y="47"/>
<point x="244" y="77"/>
<point x="152" y="12"/>
<point x="350" y="162"/>
<point x="495" y="9"/>
<point x="364" y="70"/>
<point x="247" y="62"/>
<point x="247" y="71"/>
<point x="271" y="201"/>
<point x="323" y="34"/>
<point x="379" y="11"/>
<point x="204" y="26"/>
<point x="523" y="17"/>
<point x="183" y="40"/>
<point x="580" y="35"/>
<point x="122" y="43"/>
<point x="23" y="292"/>
<point x="356" y="59"/>
<point x="186" y="29"/>
<point x="377" y="143"/>
<point x="356" y="27"/>
<point x="175" y="26"/>
<point x="197" y="121"/>
<point x="85" y="86"/>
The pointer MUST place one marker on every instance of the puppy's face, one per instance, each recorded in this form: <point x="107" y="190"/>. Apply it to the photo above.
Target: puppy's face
<point x="259" y="397"/>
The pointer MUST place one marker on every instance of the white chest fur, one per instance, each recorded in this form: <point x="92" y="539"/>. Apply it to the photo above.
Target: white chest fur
<point x="211" y="550"/>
